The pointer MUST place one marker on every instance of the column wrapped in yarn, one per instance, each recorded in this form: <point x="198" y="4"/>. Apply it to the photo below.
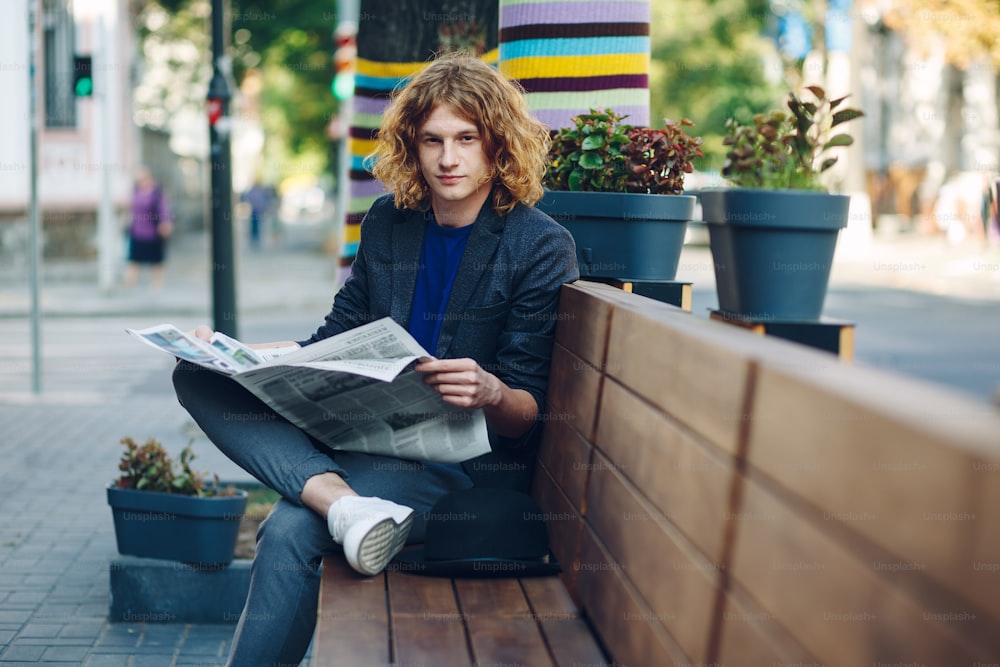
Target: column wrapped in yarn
<point x="395" y="39"/>
<point x="574" y="55"/>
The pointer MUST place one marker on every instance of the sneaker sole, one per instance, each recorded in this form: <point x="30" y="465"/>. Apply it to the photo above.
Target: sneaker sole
<point x="370" y="548"/>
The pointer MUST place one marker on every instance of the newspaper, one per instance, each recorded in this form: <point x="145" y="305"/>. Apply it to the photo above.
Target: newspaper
<point x="355" y="391"/>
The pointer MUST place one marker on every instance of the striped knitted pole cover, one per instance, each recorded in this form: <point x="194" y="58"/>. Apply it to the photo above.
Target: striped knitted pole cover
<point x="395" y="39"/>
<point x="374" y="82"/>
<point x="574" y="55"/>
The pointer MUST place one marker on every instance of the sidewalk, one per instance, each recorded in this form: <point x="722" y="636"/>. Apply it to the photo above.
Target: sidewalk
<point x="60" y="448"/>
<point x="269" y="280"/>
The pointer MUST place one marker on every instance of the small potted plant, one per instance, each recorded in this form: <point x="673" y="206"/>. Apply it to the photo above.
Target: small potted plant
<point x="166" y="511"/>
<point x="606" y="182"/>
<point x="773" y="234"/>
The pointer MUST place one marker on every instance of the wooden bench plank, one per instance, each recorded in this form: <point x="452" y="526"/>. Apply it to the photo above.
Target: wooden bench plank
<point x="500" y="624"/>
<point x="568" y="636"/>
<point x="427" y="627"/>
<point x="675" y="581"/>
<point x="841" y="606"/>
<point x="583" y="324"/>
<point x="902" y="464"/>
<point x="751" y="636"/>
<point x="669" y="465"/>
<point x="564" y="524"/>
<point x="684" y="369"/>
<point x="352" y="621"/>
<point x="566" y="455"/>
<point x="574" y="389"/>
<point x="624" y="623"/>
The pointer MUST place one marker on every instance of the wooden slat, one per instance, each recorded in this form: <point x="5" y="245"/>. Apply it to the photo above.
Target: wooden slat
<point x="668" y="465"/>
<point x="427" y="627"/>
<point x="548" y="598"/>
<point x="684" y="366"/>
<point x="574" y="388"/>
<point x="629" y="630"/>
<point x="675" y="582"/>
<point x="500" y="624"/>
<point x="352" y="623"/>
<point x="907" y="466"/>
<point x="564" y="523"/>
<point x="566" y="455"/>
<point x="752" y="636"/>
<point x="843" y="608"/>
<point x="582" y="328"/>
<point x="567" y="635"/>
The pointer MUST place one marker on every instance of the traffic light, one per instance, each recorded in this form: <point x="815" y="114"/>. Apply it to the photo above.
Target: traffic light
<point x="344" y="58"/>
<point x="83" y="79"/>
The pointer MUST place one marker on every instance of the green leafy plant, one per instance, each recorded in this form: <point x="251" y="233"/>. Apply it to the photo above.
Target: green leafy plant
<point x="148" y="467"/>
<point x="787" y="150"/>
<point x="602" y="154"/>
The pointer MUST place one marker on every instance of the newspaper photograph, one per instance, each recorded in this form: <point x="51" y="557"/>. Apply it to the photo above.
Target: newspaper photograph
<point x="355" y="391"/>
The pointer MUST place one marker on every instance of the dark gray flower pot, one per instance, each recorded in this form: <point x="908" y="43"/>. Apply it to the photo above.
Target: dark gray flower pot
<point x="622" y="235"/>
<point x="189" y="529"/>
<point x="773" y="250"/>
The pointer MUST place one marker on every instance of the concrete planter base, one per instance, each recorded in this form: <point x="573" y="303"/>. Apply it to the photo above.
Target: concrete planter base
<point x="151" y="590"/>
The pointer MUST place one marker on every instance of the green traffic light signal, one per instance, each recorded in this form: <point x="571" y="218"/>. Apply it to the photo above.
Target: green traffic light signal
<point x="83" y="80"/>
<point x="342" y="86"/>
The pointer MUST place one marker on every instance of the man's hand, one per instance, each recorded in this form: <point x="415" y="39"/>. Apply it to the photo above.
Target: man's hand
<point x="203" y="332"/>
<point x="464" y="383"/>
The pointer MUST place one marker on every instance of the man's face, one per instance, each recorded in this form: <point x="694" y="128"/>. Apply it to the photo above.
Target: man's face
<point x="452" y="161"/>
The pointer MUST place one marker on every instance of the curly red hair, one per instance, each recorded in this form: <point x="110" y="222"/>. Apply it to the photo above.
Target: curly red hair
<point x="514" y="141"/>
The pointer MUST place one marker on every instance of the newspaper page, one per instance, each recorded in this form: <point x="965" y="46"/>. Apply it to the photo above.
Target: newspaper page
<point x="354" y="391"/>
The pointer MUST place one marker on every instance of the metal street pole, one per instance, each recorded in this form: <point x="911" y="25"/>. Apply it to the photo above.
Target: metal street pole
<point x="34" y="225"/>
<point x="220" y="126"/>
<point x="106" y="227"/>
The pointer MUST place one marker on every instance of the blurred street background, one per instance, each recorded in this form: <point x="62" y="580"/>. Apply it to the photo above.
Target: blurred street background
<point x="259" y="155"/>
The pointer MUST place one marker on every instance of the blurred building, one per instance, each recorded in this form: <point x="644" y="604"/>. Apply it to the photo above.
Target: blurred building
<point x="931" y="135"/>
<point x="76" y="145"/>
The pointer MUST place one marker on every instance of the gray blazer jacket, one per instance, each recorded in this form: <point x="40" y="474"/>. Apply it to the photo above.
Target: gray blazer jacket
<point x="502" y="310"/>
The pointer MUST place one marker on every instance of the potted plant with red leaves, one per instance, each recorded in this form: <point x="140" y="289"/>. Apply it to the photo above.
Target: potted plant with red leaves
<point x="774" y="233"/>
<point x="605" y="182"/>
<point x="162" y="510"/>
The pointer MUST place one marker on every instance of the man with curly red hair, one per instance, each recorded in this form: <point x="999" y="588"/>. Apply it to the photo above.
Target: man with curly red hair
<point x="457" y="255"/>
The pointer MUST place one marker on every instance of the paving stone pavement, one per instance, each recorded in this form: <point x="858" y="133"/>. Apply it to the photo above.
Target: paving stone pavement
<point x="59" y="448"/>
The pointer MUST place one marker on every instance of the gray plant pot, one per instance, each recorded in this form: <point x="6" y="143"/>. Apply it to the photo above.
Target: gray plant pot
<point x="622" y="235"/>
<point x="189" y="529"/>
<point x="773" y="250"/>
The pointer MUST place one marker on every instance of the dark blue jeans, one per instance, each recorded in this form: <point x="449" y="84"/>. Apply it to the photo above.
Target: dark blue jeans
<point x="280" y="613"/>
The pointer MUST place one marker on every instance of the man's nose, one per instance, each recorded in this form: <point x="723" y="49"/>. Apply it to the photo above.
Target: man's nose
<point x="449" y="153"/>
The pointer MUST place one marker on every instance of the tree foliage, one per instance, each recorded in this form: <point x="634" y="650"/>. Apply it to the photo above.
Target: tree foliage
<point x="290" y="44"/>
<point x="711" y="61"/>
<point x="968" y="29"/>
<point x="176" y="65"/>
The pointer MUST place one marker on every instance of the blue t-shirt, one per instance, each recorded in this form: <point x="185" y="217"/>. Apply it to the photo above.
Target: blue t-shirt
<point x="439" y="260"/>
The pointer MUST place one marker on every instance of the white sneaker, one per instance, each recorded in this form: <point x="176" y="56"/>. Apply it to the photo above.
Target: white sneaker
<point x="372" y="530"/>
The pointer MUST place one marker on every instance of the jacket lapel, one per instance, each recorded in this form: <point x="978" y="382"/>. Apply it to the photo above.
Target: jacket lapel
<point x="407" y="239"/>
<point x="476" y="261"/>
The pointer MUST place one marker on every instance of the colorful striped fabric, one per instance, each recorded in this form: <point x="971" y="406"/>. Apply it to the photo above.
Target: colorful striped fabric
<point x="569" y="55"/>
<point x="374" y="83"/>
<point x="574" y="55"/>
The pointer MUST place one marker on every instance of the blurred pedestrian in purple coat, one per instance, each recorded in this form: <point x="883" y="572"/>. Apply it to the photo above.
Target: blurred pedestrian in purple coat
<point x="150" y="227"/>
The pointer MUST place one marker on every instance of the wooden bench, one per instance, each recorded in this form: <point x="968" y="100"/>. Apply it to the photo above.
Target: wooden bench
<point x="718" y="498"/>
